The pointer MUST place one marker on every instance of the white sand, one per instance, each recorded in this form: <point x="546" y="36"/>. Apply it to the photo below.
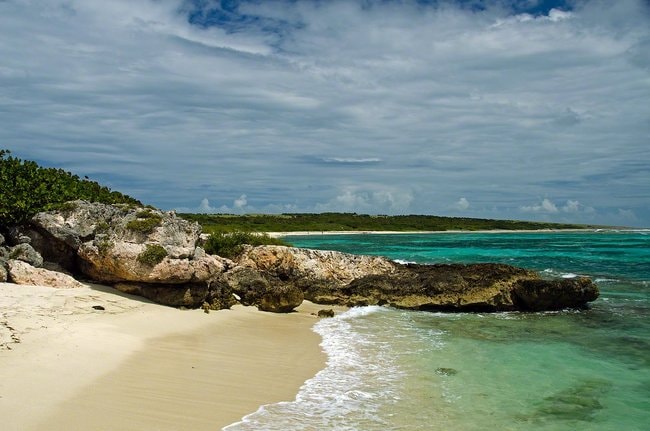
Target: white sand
<point x="142" y="366"/>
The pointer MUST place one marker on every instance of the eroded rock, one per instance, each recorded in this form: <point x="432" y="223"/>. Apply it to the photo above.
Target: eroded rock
<point x="26" y="253"/>
<point x="23" y="273"/>
<point x="281" y="299"/>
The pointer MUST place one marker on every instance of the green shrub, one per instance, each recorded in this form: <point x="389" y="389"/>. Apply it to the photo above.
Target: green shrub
<point x="27" y="188"/>
<point x="152" y="255"/>
<point x="102" y="227"/>
<point x="230" y="244"/>
<point x="146" y="222"/>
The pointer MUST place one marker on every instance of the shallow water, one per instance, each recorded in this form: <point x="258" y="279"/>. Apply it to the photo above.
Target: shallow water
<point x="570" y="370"/>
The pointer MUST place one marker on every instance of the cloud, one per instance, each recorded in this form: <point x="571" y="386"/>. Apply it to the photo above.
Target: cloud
<point x="546" y="206"/>
<point x="461" y="205"/>
<point x="240" y="202"/>
<point x="355" y="199"/>
<point x="205" y="207"/>
<point x="294" y="102"/>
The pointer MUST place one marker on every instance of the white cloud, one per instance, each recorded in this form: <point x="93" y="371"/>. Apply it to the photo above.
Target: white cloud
<point x="240" y="202"/>
<point x="546" y="206"/>
<point x="205" y="207"/>
<point x="461" y="205"/>
<point x="363" y="200"/>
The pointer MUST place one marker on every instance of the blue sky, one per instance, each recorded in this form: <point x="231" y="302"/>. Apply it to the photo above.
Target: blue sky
<point x="536" y="110"/>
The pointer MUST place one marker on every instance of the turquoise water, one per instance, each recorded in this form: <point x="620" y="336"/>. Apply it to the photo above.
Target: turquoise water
<point x="570" y="370"/>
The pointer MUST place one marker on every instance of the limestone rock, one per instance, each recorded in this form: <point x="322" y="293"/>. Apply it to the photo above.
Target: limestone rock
<point x="332" y="267"/>
<point x="26" y="253"/>
<point x="119" y="262"/>
<point x="105" y="241"/>
<point x="3" y="273"/>
<point x="23" y="273"/>
<point x="339" y="278"/>
<point x="281" y="299"/>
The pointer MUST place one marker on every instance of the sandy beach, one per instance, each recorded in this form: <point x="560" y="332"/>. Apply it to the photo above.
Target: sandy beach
<point x="135" y="365"/>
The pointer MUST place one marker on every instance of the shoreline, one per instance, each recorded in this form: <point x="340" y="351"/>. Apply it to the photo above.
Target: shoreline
<point x="421" y="232"/>
<point x="137" y="365"/>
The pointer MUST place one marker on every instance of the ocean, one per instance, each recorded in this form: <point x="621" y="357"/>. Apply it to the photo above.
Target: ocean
<point x="403" y="370"/>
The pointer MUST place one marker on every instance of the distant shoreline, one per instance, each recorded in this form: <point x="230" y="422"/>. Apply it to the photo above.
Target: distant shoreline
<point x="415" y="232"/>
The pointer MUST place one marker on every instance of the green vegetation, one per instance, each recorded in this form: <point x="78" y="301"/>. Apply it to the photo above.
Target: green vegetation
<point x="152" y="255"/>
<point x="231" y="244"/>
<point x="104" y="246"/>
<point x="358" y="222"/>
<point x="27" y="188"/>
<point x="145" y="223"/>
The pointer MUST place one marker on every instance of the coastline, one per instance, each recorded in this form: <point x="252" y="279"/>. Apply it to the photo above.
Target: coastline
<point x="137" y="365"/>
<point x="422" y="232"/>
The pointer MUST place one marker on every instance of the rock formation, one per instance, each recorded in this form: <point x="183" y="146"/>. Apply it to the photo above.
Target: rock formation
<point x="23" y="273"/>
<point x="157" y="255"/>
<point x="340" y="278"/>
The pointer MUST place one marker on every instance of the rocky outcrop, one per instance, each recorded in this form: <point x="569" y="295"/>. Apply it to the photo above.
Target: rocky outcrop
<point x="108" y="244"/>
<point x="157" y="255"/>
<point x="339" y="278"/>
<point x="23" y="273"/>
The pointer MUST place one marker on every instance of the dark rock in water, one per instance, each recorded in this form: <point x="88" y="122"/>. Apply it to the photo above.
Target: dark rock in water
<point x="446" y="371"/>
<point x="538" y="295"/>
<point x="281" y="299"/>
<point x="326" y="313"/>
<point x="99" y="307"/>
<point x="477" y="287"/>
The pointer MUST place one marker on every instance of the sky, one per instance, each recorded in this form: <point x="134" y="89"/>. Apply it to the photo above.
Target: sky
<point x="527" y="110"/>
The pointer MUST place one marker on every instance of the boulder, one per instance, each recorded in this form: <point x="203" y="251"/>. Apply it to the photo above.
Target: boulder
<point x="23" y="273"/>
<point x="2" y="239"/>
<point x="26" y="253"/>
<point x="121" y="262"/>
<point x="188" y="295"/>
<point x="538" y="295"/>
<point x="106" y="243"/>
<point x="281" y="299"/>
<point x="3" y="272"/>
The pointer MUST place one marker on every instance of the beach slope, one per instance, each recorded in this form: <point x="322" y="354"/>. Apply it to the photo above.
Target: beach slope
<point x="66" y="364"/>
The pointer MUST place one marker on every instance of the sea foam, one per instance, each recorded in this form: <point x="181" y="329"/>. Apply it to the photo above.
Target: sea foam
<point x="360" y="377"/>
